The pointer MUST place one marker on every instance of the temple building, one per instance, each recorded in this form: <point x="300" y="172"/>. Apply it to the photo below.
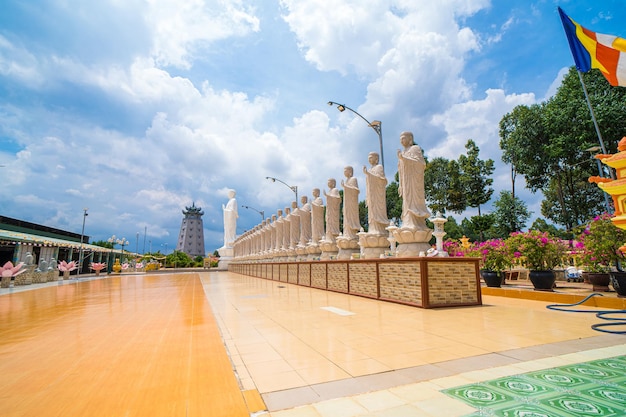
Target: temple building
<point x="191" y="236"/>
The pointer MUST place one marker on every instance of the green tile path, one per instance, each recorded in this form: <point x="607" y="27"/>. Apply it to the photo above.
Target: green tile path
<point x="595" y="388"/>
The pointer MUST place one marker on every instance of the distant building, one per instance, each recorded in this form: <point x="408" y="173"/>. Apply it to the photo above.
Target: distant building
<point x="19" y="238"/>
<point x="191" y="236"/>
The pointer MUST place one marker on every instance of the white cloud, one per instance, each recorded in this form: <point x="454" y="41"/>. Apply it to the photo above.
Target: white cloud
<point x="138" y="135"/>
<point x="181" y="27"/>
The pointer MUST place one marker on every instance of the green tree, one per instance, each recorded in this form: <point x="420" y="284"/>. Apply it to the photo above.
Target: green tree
<point x="363" y="215"/>
<point x="475" y="176"/>
<point x="443" y="186"/>
<point x="103" y="243"/>
<point x="468" y="228"/>
<point x="543" y="226"/>
<point x="394" y="201"/>
<point x="510" y="215"/>
<point x="482" y="224"/>
<point x="437" y="184"/>
<point x="547" y="144"/>
<point x="453" y="229"/>
<point x="457" y="197"/>
<point x="178" y="259"/>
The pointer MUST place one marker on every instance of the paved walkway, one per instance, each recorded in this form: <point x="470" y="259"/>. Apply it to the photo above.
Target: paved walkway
<point x="307" y="352"/>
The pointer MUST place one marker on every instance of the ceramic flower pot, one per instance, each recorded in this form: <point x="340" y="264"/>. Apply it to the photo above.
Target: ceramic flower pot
<point x="542" y="280"/>
<point x="599" y="280"/>
<point x="618" y="281"/>
<point x="491" y="278"/>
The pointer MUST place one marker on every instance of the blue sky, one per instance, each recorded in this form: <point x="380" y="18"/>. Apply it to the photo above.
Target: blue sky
<point x="136" y="109"/>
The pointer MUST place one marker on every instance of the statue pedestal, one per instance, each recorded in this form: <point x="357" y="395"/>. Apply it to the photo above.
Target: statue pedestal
<point x="411" y="241"/>
<point x="226" y="255"/>
<point x="373" y="245"/>
<point x="313" y="251"/>
<point x="301" y="251"/>
<point x="329" y="250"/>
<point x="347" y="246"/>
<point x="292" y="255"/>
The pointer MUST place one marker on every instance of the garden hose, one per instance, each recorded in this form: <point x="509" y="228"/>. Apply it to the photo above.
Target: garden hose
<point x="601" y="314"/>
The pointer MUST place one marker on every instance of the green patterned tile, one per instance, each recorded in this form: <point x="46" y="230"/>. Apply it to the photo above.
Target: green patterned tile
<point x="520" y="386"/>
<point x="596" y="388"/>
<point x="586" y="370"/>
<point x="577" y="405"/>
<point x="524" y="410"/>
<point x="558" y="378"/>
<point x="616" y="364"/>
<point x="612" y="395"/>
<point x="479" y="395"/>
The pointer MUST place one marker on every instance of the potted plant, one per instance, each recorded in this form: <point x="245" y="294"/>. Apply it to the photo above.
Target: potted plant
<point x="602" y="254"/>
<point x="494" y="260"/>
<point x="541" y="254"/>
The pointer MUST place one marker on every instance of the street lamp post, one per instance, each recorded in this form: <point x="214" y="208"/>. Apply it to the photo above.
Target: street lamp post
<point x="262" y="212"/>
<point x="82" y="234"/>
<point x="293" y="188"/>
<point x="122" y="242"/>
<point x="594" y="150"/>
<point x="112" y="241"/>
<point x="377" y="125"/>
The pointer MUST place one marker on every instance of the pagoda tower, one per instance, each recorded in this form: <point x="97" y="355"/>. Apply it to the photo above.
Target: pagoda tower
<point x="191" y="236"/>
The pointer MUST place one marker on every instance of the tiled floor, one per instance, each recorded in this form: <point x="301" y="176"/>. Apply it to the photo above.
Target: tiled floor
<point x="316" y="353"/>
<point x="308" y="352"/>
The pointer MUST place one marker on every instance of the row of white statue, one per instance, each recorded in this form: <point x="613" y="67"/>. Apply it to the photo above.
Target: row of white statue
<point x="306" y="233"/>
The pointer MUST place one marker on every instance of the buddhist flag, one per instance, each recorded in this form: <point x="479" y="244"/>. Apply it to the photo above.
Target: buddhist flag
<point x="595" y="50"/>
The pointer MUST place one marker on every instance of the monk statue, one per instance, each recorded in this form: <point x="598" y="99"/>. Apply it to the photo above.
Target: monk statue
<point x="376" y="198"/>
<point x="351" y="223"/>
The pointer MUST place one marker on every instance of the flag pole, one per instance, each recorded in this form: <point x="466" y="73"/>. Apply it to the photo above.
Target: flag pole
<point x="593" y="117"/>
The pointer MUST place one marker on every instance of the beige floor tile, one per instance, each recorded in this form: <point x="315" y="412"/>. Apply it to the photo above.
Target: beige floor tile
<point x="278" y="381"/>
<point x="318" y="375"/>
<point x="345" y="407"/>
<point x="363" y="367"/>
<point x="260" y="369"/>
<point x="380" y="400"/>
<point x="304" y="411"/>
<point x="416" y="392"/>
<point x="407" y="410"/>
<point x="443" y="406"/>
<point x="401" y="360"/>
<point x="346" y="355"/>
<point x="451" y="381"/>
<point x="260" y="356"/>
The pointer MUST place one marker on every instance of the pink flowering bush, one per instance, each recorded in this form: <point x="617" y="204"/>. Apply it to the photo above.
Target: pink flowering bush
<point x="8" y="270"/>
<point x="494" y="254"/>
<point x="541" y="251"/>
<point x="600" y="240"/>
<point x="453" y="248"/>
<point x="67" y="266"/>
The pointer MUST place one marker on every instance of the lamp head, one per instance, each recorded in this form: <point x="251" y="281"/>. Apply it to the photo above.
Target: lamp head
<point x="593" y="149"/>
<point x="341" y="107"/>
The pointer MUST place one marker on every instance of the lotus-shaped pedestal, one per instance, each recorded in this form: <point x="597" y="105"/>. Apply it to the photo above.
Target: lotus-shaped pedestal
<point x="411" y="241"/>
<point x="373" y="245"/>
<point x="329" y="249"/>
<point x="347" y="246"/>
